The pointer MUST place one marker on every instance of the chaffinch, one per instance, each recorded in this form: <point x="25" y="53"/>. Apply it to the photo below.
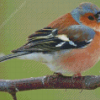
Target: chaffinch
<point x="71" y="43"/>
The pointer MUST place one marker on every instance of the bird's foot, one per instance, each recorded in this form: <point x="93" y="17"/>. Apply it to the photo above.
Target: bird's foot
<point x="75" y="76"/>
<point x="57" y="74"/>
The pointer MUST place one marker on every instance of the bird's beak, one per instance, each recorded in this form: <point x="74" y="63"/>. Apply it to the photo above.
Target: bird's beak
<point x="98" y="17"/>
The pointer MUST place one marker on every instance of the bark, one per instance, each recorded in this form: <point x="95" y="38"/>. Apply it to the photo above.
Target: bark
<point x="55" y="81"/>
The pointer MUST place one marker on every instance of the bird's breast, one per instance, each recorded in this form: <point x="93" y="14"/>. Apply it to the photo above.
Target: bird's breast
<point x="79" y="60"/>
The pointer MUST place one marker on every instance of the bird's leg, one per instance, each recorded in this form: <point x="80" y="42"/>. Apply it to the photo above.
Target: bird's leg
<point x="77" y="75"/>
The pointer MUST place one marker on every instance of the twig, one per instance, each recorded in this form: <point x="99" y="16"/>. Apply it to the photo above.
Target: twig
<point x="49" y="82"/>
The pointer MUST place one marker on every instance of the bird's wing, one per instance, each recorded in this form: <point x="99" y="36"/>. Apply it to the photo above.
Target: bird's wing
<point x="49" y="39"/>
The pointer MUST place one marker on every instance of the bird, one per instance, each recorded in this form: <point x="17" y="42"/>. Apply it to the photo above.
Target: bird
<point x="69" y="44"/>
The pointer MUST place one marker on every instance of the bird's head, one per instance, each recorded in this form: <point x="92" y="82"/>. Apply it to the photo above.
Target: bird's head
<point x="87" y="14"/>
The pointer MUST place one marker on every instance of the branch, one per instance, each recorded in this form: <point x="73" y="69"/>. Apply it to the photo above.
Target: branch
<point x="49" y="82"/>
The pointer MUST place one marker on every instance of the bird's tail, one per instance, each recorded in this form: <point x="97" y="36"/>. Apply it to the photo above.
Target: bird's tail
<point x="10" y="56"/>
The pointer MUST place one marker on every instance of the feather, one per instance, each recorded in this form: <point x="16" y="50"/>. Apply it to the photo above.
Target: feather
<point x="10" y="56"/>
<point x="48" y="40"/>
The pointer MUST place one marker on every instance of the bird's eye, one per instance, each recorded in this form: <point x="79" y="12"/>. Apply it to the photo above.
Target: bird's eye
<point x="90" y="18"/>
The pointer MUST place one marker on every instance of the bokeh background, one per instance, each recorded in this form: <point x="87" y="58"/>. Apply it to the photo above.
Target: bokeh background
<point x="20" y="18"/>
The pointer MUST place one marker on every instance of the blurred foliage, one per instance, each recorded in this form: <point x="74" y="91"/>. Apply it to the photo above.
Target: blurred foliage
<point x="20" y="18"/>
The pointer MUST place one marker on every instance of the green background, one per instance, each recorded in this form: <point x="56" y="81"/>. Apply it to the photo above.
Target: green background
<point x="20" y="18"/>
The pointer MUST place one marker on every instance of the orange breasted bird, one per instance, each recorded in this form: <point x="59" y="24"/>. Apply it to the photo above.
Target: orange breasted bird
<point x="70" y="43"/>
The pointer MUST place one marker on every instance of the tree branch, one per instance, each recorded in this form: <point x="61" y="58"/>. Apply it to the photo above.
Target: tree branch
<point x="49" y="82"/>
